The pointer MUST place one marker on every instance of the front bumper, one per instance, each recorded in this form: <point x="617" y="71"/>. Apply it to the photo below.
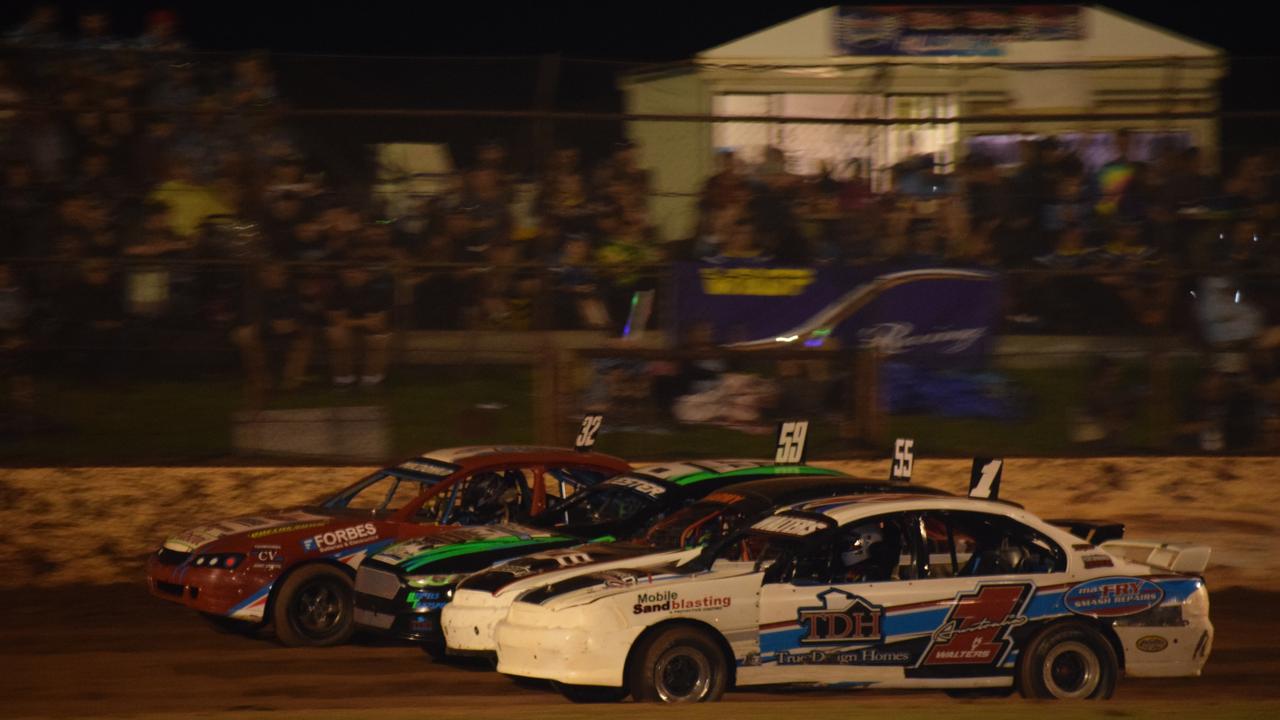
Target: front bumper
<point x="385" y="604"/>
<point x="239" y="594"/>
<point x="578" y="655"/>
<point x="469" y="621"/>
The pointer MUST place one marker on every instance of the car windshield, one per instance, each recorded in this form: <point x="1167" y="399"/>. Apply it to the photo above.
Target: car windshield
<point x="705" y="521"/>
<point x="615" y="500"/>
<point x="390" y="489"/>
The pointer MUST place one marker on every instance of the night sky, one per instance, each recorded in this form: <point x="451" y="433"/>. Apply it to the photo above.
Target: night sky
<point x="618" y="30"/>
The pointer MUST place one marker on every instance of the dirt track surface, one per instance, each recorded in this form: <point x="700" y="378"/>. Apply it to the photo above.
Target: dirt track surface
<point x="115" y="651"/>
<point x="54" y="519"/>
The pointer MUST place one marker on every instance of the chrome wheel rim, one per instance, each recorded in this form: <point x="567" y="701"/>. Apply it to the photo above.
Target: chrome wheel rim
<point x="1072" y="670"/>
<point x="682" y="674"/>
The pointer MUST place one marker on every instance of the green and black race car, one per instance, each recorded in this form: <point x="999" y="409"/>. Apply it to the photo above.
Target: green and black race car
<point x="401" y="590"/>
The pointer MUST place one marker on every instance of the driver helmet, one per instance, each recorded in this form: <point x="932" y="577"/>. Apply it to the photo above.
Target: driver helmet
<point x="484" y="493"/>
<point x="860" y="544"/>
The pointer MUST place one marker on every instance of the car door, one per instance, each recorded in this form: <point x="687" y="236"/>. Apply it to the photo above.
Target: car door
<point x="823" y="620"/>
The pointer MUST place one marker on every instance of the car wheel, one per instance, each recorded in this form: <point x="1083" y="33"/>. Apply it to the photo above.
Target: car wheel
<point x="591" y="693"/>
<point x="1068" y="661"/>
<point x="679" y="664"/>
<point x="314" y="607"/>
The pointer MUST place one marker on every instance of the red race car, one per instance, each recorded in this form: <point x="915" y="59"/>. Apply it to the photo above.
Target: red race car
<point x="295" y="567"/>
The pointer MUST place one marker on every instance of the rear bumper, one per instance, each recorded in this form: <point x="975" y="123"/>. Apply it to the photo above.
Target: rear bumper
<point x="1165" y="651"/>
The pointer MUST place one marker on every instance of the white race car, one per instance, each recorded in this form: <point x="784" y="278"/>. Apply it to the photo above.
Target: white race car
<point x="968" y="595"/>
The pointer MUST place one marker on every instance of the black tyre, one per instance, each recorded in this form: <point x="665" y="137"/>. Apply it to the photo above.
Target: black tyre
<point x="591" y="693"/>
<point x="679" y="664"/>
<point x="314" y="607"/>
<point x="1068" y="661"/>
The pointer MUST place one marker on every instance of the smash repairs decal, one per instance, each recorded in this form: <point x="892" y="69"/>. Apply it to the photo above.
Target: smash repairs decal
<point x="976" y="630"/>
<point x="1113" y="597"/>
<point x="340" y="539"/>
<point x="671" y="601"/>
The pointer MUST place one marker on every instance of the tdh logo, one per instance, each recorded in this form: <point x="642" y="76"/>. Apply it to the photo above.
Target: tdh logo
<point x="976" y="631"/>
<point x="842" y="618"/>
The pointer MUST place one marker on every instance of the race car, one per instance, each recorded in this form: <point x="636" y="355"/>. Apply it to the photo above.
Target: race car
<point x="964" y="594"/>
<point x="484" y="598"/>
<point x="402" y="589"/>
<point x="296" y="567"/>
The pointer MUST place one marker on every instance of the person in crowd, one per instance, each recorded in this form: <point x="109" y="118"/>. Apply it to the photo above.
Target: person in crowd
<point x="275" y="334"/>
<point x="95" y="31"/>
<point x="161" y="33"/>
<point x="39" y="30"/>
<point x="359" y="325"/>
<point x="15" y="340"/>
<point x="577" y="287"/>
<point x="504" y="289"/>
<point x="740" y="247"/>
<point x="190" y="202"/>
<point x="95" y="310"/>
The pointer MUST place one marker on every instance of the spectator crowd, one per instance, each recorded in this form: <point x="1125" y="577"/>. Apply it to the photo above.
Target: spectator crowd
<point x="152" y="198"/>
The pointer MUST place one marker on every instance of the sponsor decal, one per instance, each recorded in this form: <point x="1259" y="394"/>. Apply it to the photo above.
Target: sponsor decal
<point x="842" y="618"/>
<point x="1113" y="597"/>
<point x="896" y="338"/>
<point x="426" y="468"/>
<point x="267" y="555"/>
<point x="976" y="630"/>
<point x="670" y="601"/>
<point x="640" y="485"/>
<point x="1097" y="561"/>
<point x="622" y="579"/>
<point x="341" y="538"/>
<point x="790" y="525"/>
<point x="768" y="282"/>
<point x="1151" y="643"/>
<point x="724" y="498"/>
<point x="285" y="529"/>
<point x="860" y="656"/>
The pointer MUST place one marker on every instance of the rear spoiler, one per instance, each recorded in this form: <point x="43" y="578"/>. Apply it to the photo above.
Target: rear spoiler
<point x="1186" y="559"/>
<point x="1094" y="531"/>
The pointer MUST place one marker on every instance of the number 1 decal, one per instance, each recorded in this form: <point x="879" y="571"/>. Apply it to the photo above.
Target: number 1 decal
<point x="984" y="478"/>
<point x="587" y="436"/>
<point x="791" y="442"/>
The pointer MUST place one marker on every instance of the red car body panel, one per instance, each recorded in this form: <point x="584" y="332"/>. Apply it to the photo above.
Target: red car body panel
<point x="267" y="546"/>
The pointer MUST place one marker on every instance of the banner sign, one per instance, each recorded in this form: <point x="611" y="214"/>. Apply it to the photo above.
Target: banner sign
<point x="935" y="311"/>
<point x="957" y="31"/>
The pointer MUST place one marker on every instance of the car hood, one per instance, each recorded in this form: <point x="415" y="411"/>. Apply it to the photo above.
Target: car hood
<point x="554" y="566"/>
<point x="418" y="554"/>
<point x="250" y="528"/>
<point x="653" y="581"/>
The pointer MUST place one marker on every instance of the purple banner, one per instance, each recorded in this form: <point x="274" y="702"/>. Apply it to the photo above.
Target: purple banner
<point x="924" y="30"/>
<point x="932" y="311"/>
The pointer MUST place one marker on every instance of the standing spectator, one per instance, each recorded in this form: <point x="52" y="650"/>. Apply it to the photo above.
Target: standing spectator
<point x="24" y="225"/>
<point x="95" y="31"/>
<point x="359" y="315"/>
<point x="624" y="256"/>
<point x="161" y="33"/>
<point x="577" y="290"/>
<point x="740" y="246"/>
<point x="40" y="29"/>
<point x="253" y="84"/>
<point x="505" y="289"/>
<point x="149" y="287"/>
<point x="1115" y="178"/>
<point x="15" y="343"/>
<point x="96" y="314"/>
<point x="190" y="202"/>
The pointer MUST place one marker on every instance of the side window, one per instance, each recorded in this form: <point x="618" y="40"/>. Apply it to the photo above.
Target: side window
<point x="562" y="483"/>
<point x="405" y="491"/>
<point x="372" y="495"/>
<point x="966" y="544"/>
<point x="873" y="550"/>
<point x="489" y="496"/>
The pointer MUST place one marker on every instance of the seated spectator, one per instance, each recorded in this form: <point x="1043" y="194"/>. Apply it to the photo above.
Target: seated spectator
<point x="359" y="317"/>
<point x="622" y="167"/>
<point x="1068" y="206"/>
<point x="578" y="302"/>
<point x="625" y="256"/>
<point x="505" y="289"/>
<point x="740" y="246"/>
<point x="275" y="334"/>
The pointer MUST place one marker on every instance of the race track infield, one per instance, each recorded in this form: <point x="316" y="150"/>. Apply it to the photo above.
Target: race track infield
<point x="113" y="651"/>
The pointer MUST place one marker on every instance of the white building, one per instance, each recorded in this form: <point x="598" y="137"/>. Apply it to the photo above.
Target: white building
<point x="936" y="65"/>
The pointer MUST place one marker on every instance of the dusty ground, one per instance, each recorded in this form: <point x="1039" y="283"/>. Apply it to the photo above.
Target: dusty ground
<point x="91" y="651"/>
<point x="62" y="526"/>
<point x="81" y="637"/>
